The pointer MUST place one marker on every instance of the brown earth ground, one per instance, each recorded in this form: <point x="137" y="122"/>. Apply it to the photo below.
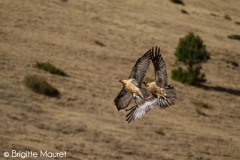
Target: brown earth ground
<point x="84" y="122"/>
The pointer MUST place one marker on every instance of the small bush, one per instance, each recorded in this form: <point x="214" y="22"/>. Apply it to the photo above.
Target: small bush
<point x="237" y="23"/>
<point x="177" y="2"/>
<point x="191" y="52"/>
<point x="199" y="105"/>
<point x="199" y="111"/>
<point x="227" y="17"/>
<point x="50" y="68"/>
<point x="99" y="43"/>
<point x="212" y="14"/>
<point x="191" y="76"/>
<point x="202" y="104"/>
<point x="234" y="36"/>
<point x="39" y="85"/>
<point x="233" y="63"/>
<point x="160" y="131"/>
<point x="184" y="11"/>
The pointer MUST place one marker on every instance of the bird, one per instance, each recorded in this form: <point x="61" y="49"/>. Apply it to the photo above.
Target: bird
<point x="132" y="86"/>
<point x="161" y="94"/>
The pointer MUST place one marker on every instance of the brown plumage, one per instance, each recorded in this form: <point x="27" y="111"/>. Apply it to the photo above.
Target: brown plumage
<point x="132" y="86"/>
<point x="162" y="94"/>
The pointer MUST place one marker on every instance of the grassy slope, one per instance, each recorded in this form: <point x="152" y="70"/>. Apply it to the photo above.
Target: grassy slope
<point x="85" y="122"/>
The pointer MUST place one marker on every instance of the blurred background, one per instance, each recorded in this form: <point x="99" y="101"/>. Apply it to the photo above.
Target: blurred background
<point x="73" y="52"/>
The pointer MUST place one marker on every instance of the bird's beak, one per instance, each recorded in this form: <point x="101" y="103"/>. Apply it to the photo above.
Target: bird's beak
<point x="144" y="82"/>
<point x="120" y="81"/>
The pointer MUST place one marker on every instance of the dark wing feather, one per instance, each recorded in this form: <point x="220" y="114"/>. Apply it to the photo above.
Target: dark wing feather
<point x="142" y="109"/>
<point x="169" y="99"/>
<point x="123" y="99"/>
<point x="171" y="92"/>
<point x="140" y="68"/>
<point x="159" y="67"/>
<point x="167" y="102"/>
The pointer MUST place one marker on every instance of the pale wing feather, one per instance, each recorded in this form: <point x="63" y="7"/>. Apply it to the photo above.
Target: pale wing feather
<point x="142" y="109"/>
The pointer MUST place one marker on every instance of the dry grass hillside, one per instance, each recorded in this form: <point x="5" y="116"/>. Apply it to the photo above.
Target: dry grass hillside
<point x="96" y="44"/>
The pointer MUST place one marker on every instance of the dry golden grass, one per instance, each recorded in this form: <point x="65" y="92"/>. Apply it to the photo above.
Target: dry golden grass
<point x="84" y="121"/>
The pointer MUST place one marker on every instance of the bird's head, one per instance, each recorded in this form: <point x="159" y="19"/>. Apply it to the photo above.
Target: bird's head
<point x="145" y="83"/>
<point x="123" y="82"/>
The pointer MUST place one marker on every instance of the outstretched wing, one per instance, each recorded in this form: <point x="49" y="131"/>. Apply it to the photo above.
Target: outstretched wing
<point x="166" y="102"/>
<point x="140" y="68"/>
<point x="159" y="67"/>
<point x="123" y="99"/>
<point x="142" y="109"/>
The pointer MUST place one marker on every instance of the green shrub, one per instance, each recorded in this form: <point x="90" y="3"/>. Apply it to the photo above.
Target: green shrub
<point x="177" y="2"/>
<point x="199" y="105"/>
<point x="191" y="52"/>
<point x="184" y="11"/>
<point x="99" y="43"/>
<point x="50" y="68"/>
<point x="160" y="131"/>
<point x="237" y="23"/>
<point x="202" y="104"/>
<point x="199" y="111"/>
<point x="213" y="14"/>
<point x="191" y="76"/>
<point x="39" y="85"/>
<point x="234" y="36"/>
<point x="227" y="17"/>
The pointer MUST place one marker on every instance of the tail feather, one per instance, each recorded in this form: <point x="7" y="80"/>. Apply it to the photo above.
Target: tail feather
<point x="169" y="99"/>
<point x="171" y="92"/>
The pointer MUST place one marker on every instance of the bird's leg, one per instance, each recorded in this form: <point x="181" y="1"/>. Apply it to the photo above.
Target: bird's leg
<point x="137" y="100"/>
<point x="131" y="108"/>
<point x="162" y="97"/>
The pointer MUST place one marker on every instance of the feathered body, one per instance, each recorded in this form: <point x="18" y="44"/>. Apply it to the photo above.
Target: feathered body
<point x="162" y="94"/>
<point x="132" y="87"/>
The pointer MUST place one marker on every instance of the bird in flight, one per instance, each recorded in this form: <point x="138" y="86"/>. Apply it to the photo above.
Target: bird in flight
<point x="132" y="86"/>
<point x="161" y="93"/>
